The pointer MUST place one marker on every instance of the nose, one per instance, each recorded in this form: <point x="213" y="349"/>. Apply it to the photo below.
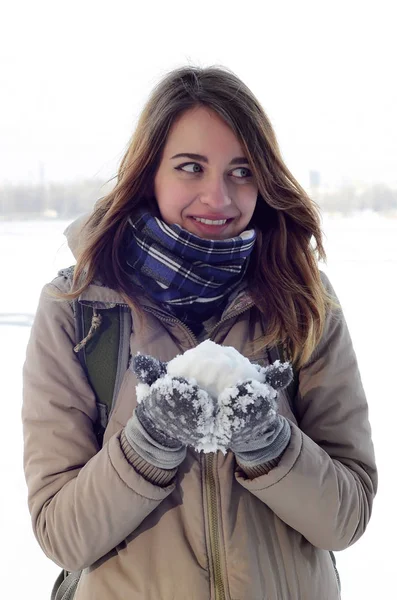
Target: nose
<point x="216" y="194"/>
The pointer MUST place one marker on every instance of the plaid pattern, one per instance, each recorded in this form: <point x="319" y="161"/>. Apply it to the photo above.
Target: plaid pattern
<point x="188" y="275"/>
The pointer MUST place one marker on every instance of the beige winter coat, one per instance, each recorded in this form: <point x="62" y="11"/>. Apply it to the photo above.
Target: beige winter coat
<point x="213" y="533"/>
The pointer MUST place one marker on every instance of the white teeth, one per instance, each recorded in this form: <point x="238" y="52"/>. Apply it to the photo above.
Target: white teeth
<point x="209" y="222"/>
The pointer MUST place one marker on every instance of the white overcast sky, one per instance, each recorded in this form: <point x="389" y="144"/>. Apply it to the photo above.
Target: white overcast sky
<point x="75" y="74"/>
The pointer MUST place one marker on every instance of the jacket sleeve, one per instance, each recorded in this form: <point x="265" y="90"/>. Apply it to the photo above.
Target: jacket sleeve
<point x="325" y="482"/>
<point x="83" y="500"/>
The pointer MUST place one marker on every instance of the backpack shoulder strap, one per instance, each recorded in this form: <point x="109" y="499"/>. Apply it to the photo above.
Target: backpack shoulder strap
<point x="105" y="356"/>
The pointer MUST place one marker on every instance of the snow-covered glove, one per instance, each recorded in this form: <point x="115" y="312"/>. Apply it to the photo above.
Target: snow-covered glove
<point x="172" y="413"/>
<point x="247" y="419"/>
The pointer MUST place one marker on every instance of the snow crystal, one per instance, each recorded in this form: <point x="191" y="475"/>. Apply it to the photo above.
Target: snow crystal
<point x="142" y="391"/>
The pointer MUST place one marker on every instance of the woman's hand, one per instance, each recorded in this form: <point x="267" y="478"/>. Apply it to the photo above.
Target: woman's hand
<point x="247" y="416"/>
<point x="176" y="413"/>
<point x="172" y="410"/>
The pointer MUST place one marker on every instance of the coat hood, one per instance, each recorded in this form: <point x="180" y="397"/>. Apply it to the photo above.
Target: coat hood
<point x="74" y="234"/>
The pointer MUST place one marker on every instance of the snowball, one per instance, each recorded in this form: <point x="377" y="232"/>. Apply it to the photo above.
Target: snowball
<point x="214" y="367"/>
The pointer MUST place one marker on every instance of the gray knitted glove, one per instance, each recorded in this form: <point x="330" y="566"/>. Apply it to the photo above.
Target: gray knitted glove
<point x="172" y="410"/>
<point x="247" y="420"/>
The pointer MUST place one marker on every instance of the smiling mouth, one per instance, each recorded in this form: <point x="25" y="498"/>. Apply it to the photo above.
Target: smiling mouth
<point x="211" y="221"/>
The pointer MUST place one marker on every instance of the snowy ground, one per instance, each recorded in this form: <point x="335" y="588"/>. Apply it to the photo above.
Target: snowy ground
<point x="362" y="265"/>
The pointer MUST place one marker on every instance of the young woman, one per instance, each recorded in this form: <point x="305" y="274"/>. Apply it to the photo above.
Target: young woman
<point x="206" y="235"/>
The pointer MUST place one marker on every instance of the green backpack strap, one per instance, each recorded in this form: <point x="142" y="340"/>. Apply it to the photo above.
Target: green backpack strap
<point x="105" y="355"/>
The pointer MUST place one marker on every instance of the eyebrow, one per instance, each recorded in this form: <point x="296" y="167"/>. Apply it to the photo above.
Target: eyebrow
<point x="238" y="160"/>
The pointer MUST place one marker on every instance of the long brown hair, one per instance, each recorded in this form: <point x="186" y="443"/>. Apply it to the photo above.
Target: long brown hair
<point x="283" y="275"/>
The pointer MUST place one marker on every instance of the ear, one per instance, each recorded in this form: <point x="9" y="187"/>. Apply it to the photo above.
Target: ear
<point x="279" y="375"/>
<point x="147" y="368"/>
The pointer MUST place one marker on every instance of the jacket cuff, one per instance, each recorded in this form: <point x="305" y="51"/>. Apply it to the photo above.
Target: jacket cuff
<point x="263" y="469"/>
<point x="264" y="452"/>
<point x="152" y="451"/>
<point x="155" y="475"/>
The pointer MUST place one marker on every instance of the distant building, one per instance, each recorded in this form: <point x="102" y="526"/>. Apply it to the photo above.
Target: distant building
<point x="314" y="179"/>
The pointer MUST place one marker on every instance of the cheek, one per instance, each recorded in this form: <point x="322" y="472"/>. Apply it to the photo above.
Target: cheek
<point x="172" y="199"/>
<point x="247" y="201"/>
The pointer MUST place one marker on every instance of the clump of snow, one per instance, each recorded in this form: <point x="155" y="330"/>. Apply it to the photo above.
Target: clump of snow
<point x="218" y="370"/>
<point x="281" y="366"/>
<point x="222" y="407"/>
<point x="142" y="391"/>
<point x="213" y="367"/>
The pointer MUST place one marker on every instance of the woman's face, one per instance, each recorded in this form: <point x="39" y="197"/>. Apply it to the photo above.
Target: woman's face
<point x="204" y="183"/>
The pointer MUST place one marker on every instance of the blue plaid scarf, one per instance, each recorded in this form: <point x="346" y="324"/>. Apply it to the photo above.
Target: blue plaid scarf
<point x="188" y="276"/>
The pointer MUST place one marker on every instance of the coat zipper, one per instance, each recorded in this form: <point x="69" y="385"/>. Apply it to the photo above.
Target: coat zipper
<point x="213" y="520"/>
<point x="209" y="476"/>
<point x="232" y="315"/>
<point x="209" y="472"/>
<point x="167" y="319"/>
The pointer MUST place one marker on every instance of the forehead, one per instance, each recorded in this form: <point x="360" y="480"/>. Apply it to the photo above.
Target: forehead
<point x="202" y="131"/>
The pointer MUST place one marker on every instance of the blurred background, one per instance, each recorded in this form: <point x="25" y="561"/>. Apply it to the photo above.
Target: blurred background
<point x="74" y="77"/>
